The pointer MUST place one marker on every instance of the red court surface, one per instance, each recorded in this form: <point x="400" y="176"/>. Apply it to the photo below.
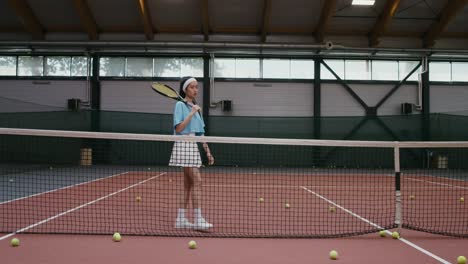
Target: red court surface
<point x="37" y="248"/>
<point x="90" y="207"/>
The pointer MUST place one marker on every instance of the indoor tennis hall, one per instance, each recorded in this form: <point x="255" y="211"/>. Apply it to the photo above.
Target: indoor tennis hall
<point x="230" y="131"/>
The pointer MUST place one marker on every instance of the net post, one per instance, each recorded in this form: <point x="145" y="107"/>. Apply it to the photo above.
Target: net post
<point x="398" y="210"/>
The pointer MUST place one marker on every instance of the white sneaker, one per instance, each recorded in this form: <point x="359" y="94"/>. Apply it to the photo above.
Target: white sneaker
<point x="202" y="224"/>
<point x="183" y="223"/>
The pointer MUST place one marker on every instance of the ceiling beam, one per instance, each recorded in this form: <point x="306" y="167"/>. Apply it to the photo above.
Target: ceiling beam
<point x="205" y="19"/>
<point x="235" y="30"/>
<point x="87" y="19"/>
<point x="383" y="22"/>
<point x="445" y="17"/>
<point x="145" y="19"/>
<point x="27" y="18"/>
<point x="327" y="13"/>
<point x="266" y="18"/>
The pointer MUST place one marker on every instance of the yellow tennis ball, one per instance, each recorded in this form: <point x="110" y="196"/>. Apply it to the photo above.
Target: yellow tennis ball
<point x="116" y="237"/>
<point x="15" y="242"/>
<point x="192" y="244"/>
<point x="395" y="235"/>
<point x="382" y="233"/>
<point x="261" y="199"/>
<point x="462" y="200"/>
<point x="287" y="206"/>
<point x="461" y="260"/>
<point x="333" y="254"/>
<point x="138" y="199"/>
<point x="332" y="209"/>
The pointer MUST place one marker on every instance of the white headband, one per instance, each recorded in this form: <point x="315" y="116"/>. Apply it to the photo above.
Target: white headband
<point x="187" y="82"/>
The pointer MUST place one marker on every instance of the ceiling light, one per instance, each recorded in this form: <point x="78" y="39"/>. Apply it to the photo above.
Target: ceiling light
<point x="363" y="2"/>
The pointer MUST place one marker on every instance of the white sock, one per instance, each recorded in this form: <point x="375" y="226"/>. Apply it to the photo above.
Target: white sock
<point x="198" y="214"/>
<point x="181" y="213"/>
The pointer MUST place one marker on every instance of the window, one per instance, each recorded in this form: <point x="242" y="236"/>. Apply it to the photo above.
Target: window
<point x="139" y="67"/>
<point x="7" y="65"/>
<point x="460" y="71"/>
<point x="57" y="66"/>
<point x="336" y="65"/>
<point x="405" y="67"/>
<point x="166" y="67"/>
<point x="30" y="66"/>
<point x="384" y="70"/>
<point x="114" y="66"/>
<point x="225" y="68"/>
<point x="440" y="71"/>
<point x="357" y="69"/>
<point x="247" y="68"/>
<point x="276" y="68"/>
<point x="191" y="67"/>
<point x="302" y="69"/>
<point x="79" y="66"/>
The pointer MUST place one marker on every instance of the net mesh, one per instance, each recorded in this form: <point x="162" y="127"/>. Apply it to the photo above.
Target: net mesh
<point x="100" y="183"/>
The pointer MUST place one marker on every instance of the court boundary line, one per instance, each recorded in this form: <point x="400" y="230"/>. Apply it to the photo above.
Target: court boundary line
<point x="79" y="207"/>
<point x="348" y="188"/>
<point x="407" y="242"/>
<point x="62" y="188"/>
<point x="437" y="183"/>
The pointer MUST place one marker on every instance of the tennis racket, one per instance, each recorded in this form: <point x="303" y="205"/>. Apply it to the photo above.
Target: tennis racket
<point x="167" y="91"/>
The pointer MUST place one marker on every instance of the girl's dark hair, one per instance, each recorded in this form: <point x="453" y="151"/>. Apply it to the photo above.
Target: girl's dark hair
<point x="182" y="81"/>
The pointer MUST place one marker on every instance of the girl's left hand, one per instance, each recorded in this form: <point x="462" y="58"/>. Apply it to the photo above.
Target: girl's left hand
<point x="210" y="159"/>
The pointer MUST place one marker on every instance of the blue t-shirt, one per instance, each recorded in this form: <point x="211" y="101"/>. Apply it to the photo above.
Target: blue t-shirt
<point x="196" y="124"/>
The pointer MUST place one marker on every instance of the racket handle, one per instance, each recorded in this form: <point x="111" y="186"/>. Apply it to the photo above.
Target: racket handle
<point x="199" y="111"/>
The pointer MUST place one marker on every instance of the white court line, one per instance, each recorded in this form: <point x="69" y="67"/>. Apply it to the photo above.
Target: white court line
<point x="370" y="187"/>
<point x="347" y="188"/>
<point x="62" y="188"/>
<point x="438" y="183"/>
<point x="79" y="207"/>
<point x="411" y="244"/>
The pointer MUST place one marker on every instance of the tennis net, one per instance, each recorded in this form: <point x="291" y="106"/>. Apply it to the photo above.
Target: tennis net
<point x="100" y="183"/>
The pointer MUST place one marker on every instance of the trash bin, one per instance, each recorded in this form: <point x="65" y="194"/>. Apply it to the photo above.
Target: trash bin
<point x="86" y="157"/>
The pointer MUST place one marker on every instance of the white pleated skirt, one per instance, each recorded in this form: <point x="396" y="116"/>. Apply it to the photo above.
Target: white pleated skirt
<point x="185" y="154"/>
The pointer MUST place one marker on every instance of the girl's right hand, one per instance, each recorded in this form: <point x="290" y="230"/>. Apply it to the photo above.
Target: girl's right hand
<point x="195" y="109"/>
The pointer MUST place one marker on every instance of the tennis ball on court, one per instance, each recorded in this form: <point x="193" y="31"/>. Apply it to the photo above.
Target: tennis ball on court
<point x="138" y="198"/>
<point x="14" y="242"/>
<point x="11" y="180"/>
<point x="462" y="200"/>
<point x="287" y="206"/>
<point x="332" y="209"/>
<point x="116" y="237"/>
<point x="261" y="199"/>
<point x="333" y="254"/>
<point x="412" y="197"/>
<point x="192" y="244"/>
<point x="461" y="260"/>
<point x="382" y="233"/>
<point x="149" y="168"/>
<point x="395" y="235"/>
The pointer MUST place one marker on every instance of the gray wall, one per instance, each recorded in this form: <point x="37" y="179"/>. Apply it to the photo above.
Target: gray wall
<point x="137" y="96"/>
<point x="248" y="98"/>
<point x="336" y="101"/>
<point x="449" y="99"/>
<point x="264" y="99"/>
<point x="39" y="96"/>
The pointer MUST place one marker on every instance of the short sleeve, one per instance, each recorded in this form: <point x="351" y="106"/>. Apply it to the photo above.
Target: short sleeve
<point x="178" y="113"/>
